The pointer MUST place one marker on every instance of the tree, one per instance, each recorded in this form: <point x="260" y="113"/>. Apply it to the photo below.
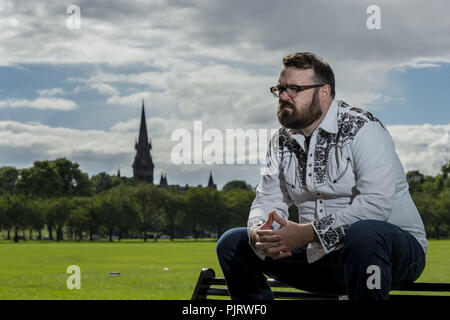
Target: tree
<point x="127" y="210"/>
<point x="5" y="222"/>
<point x="74" y="181"/>
<point x="238" y="202"/>
<point x="444" y="198"/>
<point x="41" y="180"/>
<point x="194" y="215"/>
<point x="103" y="182"/>
<point x="172" y="205"/>
<point x="17" y="212"/>
<point x="415" y="180"/>
<point x="146" y="196"/>
<point x="37" y="216"/>
<point x="207" y="208"/>
<point x="59" y="211"/>
<point x="55" y="178"/>
<point x="94" y="218"/>
<point x="79" y="217"/>
<point x="445" y="169"/>
<point x="236" y="184"/>
<point x="77" y="221"/>
<point x="110" y="210"/>
<point x="8" y="179"/>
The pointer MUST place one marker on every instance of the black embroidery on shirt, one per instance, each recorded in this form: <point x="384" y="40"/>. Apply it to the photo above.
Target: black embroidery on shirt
<point x="330" y="236"/>
<point x="324" y="144"/>
<point x="367" y="114"/>
<point x="342" y="104"/>
<point x="348" y="126"/>
<point x="291" y="146"/>
<point x="284" y="143"/>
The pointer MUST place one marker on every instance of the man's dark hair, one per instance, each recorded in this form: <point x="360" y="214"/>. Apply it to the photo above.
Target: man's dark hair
<point x="308" y="60"/>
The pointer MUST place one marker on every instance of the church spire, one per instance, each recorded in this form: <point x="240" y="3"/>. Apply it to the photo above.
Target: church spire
<point x="143" y="164"/>
<point x="211" y="182"/>
<point x="163" y="180"/>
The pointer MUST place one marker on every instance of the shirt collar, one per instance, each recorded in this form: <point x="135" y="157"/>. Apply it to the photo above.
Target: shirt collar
<point x="329" y="122"/>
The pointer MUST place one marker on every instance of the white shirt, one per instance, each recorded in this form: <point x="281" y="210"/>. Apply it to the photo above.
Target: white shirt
<point x="350" y="173"/>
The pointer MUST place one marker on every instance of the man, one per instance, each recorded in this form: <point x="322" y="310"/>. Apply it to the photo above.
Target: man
<point x="360" y="233"/>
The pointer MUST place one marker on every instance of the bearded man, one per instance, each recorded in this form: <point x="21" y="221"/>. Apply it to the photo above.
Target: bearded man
<point x="359" y="232"/>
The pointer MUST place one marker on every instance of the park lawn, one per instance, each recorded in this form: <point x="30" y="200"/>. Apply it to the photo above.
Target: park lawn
<point x="37" y="269"/>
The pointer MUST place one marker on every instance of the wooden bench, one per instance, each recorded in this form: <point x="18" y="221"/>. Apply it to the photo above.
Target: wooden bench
<point x="207" y="282"/>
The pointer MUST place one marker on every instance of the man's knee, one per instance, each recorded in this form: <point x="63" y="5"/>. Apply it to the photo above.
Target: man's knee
<point x="230" y="239"/>
<point x="364" y="236"/>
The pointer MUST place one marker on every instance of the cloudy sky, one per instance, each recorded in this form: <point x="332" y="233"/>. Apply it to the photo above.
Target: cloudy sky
<point x="77" y="92"/>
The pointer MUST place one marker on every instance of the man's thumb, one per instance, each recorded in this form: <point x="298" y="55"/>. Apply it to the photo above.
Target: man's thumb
<point x="269" y="221"/>
<point x="278" y="219"/>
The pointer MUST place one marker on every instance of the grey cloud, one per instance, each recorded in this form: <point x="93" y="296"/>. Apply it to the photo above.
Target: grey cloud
<point x="336" y="29"/>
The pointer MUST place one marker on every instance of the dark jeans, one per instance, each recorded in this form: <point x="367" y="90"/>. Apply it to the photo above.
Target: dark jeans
<point x="396" y="252"/>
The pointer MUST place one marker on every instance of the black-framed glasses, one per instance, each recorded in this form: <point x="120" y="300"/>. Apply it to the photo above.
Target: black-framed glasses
<point x="292" y="90"/>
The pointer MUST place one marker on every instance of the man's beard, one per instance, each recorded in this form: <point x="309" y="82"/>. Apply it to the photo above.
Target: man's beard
<point x="293" y="119"/>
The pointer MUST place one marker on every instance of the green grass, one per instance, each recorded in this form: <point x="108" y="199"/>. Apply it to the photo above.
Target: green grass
<point x="36" y="269"/>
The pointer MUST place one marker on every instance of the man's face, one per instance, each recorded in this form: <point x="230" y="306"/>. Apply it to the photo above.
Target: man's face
<point x="303" y="110"/>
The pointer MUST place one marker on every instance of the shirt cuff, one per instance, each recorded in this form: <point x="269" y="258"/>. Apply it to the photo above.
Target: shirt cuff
<point x="330" y="237"/>
<point x="252" y="224"/>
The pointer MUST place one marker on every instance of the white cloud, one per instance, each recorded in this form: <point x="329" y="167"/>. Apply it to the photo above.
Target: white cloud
<point x="51" y="92"/>
<point x="422" y="147"/>
<point x="95" y="150"/>
<point x="104" y="89"/>
<point x="39" y="103"/>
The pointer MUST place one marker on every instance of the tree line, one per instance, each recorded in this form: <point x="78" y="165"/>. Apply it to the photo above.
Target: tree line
<point x="58" y="197"/>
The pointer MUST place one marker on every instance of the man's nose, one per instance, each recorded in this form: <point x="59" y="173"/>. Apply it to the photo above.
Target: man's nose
<point x="284" y="96"/>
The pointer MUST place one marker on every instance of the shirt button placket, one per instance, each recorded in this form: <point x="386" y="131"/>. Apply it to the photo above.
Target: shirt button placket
<point x="320" y="206"/>
<point x="309" y="169"/>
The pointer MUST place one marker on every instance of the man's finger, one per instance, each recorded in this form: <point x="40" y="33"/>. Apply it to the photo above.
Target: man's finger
<point x="269" y="221"/>
<point x="281" y="221"/>
<point x="273" y="238"/>
<point x="263" y="233"/>
<point x="267" y="245"/>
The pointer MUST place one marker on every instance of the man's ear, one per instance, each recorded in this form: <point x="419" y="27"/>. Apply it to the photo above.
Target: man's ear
<point x="326" y="90"/>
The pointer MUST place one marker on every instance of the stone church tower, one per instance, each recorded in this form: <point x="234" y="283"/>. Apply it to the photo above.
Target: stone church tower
<point x="143" y="164"/>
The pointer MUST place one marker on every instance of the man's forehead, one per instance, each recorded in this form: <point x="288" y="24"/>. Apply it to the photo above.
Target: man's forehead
<point x="292" y="74"/>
